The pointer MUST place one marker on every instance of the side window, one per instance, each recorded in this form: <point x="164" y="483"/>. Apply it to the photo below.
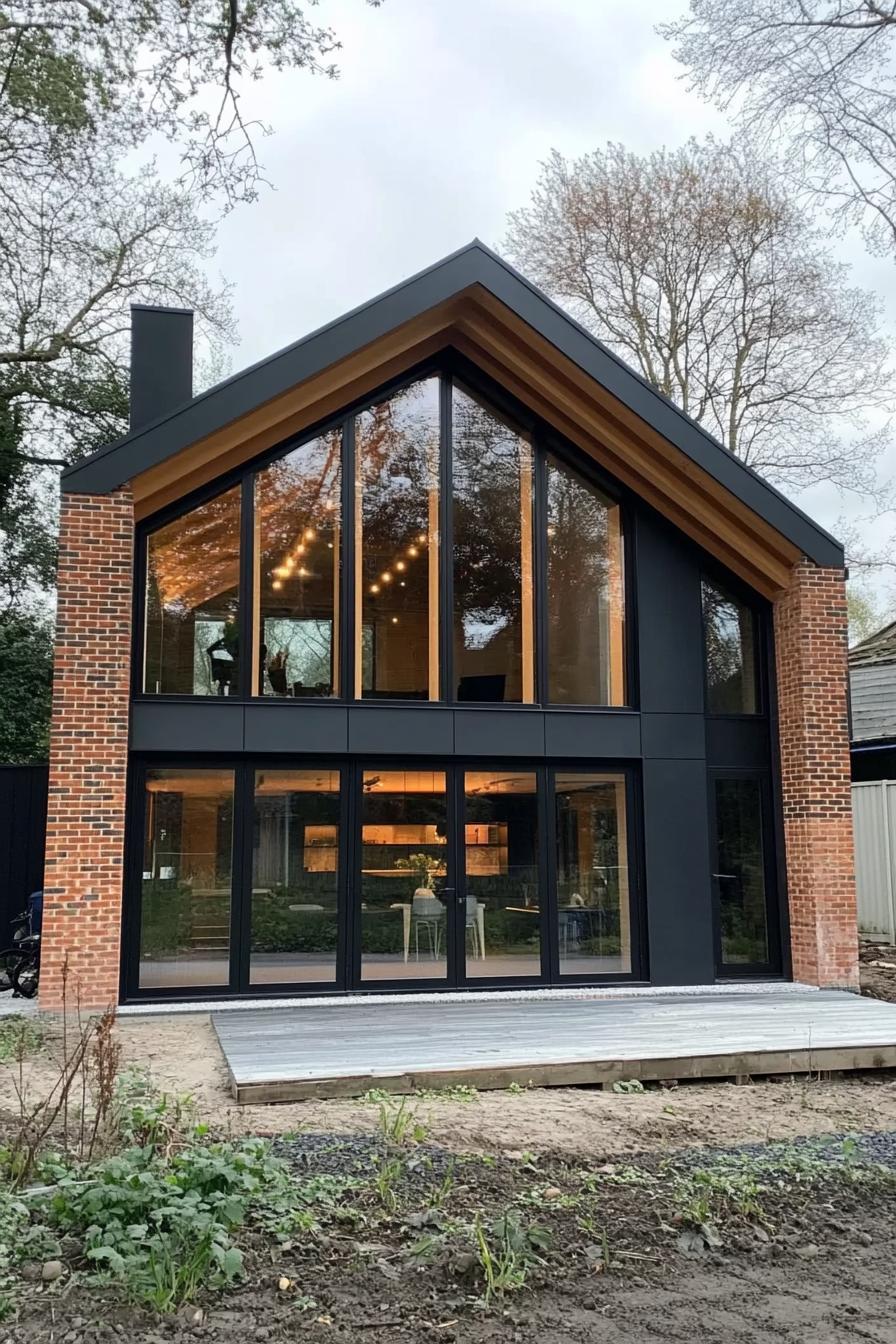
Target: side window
<point x="740" y="872"/>
<point x="730" y="650"/>
<point x="192" y="602"/>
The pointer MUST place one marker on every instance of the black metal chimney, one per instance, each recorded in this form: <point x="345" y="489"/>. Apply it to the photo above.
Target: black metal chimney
<point x="161" y="361"/>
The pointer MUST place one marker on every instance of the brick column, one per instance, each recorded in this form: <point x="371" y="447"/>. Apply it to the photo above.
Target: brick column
<point x="88" y="750"/>
<point x="810" y="650"/>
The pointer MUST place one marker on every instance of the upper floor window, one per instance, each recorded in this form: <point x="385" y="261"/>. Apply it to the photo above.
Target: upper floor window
<point x="729" y="631"/>
<point x="298" y="555"/>
<point x="421" y="577"/>
<point x="193" y="601"/>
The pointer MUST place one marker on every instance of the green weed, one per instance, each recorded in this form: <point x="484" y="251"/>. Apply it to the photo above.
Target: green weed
<point x="20" y="1036"/>
<point x="506" y="1249"/>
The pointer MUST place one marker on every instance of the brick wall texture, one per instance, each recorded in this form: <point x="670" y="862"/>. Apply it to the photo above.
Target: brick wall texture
<point x="88" y="751"/>
<point x="810" y="650"/>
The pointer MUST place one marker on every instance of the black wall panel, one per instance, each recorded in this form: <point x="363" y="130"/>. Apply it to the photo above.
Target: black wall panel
<point x="679" y="901"/>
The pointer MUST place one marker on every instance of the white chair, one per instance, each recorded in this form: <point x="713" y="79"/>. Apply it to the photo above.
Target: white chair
<point x="427" y="913"/>
<point x="472" y="925"/>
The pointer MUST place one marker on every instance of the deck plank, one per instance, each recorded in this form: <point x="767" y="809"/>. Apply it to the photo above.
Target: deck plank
<point x="330" y="1050"/>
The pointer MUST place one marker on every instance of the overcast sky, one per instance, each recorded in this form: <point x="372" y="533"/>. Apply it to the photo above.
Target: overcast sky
<point x="432" y="134"/>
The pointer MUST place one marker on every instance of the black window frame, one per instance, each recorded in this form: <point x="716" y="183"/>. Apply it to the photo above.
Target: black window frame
<point x="347" y="979"/>
<point x="546" y="442"/>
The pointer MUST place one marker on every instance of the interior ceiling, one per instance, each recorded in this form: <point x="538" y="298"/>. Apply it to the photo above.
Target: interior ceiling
<point x="541" y="377"/>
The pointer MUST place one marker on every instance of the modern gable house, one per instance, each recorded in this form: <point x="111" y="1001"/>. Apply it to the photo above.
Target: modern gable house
<point x="438" y="650"/>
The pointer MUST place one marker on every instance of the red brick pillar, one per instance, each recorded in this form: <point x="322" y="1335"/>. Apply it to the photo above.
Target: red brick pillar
<point x="88" y="750"/>
<point x="810" y="650"/>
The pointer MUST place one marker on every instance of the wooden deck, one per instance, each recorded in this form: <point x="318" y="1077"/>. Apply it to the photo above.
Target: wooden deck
<point x="342" y="1049"/>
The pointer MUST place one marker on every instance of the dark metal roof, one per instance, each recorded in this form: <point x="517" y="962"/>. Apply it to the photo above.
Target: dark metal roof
<point x="875" y="649"/>
<point x="474" y="264"/>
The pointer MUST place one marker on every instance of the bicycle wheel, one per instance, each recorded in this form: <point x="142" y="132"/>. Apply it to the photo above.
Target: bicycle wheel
<point x="9" y="959"/>
<point x="24" y="976"/>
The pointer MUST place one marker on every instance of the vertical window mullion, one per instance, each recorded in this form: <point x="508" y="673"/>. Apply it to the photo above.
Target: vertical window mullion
<point x="540" y="524"/>
<point x="248" y="609"/>
<point x="348" y="687"/>
<point x="446" y="545"/>
<point x="550" y="957"/>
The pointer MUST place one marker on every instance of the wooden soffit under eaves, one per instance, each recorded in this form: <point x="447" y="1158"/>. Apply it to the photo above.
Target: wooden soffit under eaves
<point x="542" y="378"/>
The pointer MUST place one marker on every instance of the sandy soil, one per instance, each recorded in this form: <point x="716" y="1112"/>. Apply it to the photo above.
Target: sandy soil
<point x="183" y="1055"/>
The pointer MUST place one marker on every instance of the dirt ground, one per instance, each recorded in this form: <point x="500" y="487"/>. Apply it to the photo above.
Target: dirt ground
<point x="825" y="1275"/>
<point x="183" y="1056"/>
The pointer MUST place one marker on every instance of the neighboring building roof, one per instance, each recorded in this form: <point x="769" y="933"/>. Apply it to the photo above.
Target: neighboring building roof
<point x="473" y="265"/>
<point x="872" y="687"/>
<point x="877" y="648"/>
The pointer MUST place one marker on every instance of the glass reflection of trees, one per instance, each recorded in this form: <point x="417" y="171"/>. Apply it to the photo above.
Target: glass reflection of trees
<point x="584" y="596"/>
<point x="492" y="549"/>
<point x="297" y="521"/>
<point x="192" y="608"/>
<point x="397" y="544"/>
<point x="729" y="628"/>
<point x="192" y="601"/>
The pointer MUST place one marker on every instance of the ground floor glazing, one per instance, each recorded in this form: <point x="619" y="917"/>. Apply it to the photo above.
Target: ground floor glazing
<point x="247" y="878"/>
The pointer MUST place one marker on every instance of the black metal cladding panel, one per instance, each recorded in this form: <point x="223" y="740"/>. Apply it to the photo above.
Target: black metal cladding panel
<point x="679" y="884"/>
<point x="296" y="727"/>
<point x="670" y="620"/>
<point x="591" y="735"/>
<point x="738" y="742"/>
<point x="674" y="736"/>
<point x="406" y="730"/>
<point x="499" y="732"/>
<point x="178" y="726"/>
<point x="473" y="264"/>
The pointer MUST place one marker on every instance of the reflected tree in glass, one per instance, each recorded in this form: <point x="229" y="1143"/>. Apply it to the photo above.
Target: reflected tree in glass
<point x="729" y="627"/>
<point x="586" y="662"/>
<point x="493" y="624"/>
<point x="397" y="546"/>
<point x="192" y="602"/>
<point x="297" y="522"/>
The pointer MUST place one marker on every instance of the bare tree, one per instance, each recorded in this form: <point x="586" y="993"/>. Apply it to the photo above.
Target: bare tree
<point x="177" y="69"/>
<point x="701" y="272"/>
<point x="816" y="77"/>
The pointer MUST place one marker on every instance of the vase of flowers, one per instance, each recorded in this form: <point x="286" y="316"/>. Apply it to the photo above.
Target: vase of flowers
<point x="423" y="867"/>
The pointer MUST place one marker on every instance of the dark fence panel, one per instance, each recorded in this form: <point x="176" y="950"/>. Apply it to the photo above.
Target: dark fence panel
<point x="23" y="823"/>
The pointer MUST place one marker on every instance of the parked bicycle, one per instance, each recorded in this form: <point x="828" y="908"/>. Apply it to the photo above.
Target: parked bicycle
<point x="20" y="963"/>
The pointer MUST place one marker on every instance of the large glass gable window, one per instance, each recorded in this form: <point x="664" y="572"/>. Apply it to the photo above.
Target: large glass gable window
<point x="424" y="548"/>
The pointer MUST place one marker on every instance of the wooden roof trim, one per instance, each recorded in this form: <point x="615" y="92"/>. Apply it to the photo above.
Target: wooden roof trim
<point x="302" y="406"/>
<point x="680" y="496"/>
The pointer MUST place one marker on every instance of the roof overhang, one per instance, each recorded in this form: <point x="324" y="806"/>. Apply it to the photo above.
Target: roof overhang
<point x="476" y="303"/>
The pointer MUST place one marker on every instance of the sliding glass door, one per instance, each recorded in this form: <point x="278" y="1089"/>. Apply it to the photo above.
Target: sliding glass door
<point x="365" y="875"/>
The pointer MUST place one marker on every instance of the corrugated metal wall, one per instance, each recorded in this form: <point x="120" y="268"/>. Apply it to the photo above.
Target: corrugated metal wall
<point x="874" y="818"/>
